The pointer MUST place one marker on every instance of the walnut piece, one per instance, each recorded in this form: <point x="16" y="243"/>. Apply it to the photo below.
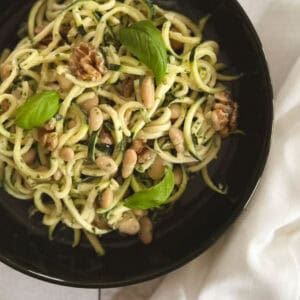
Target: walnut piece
<point x="224" y="114"/>
<point x="128" y="87"/>
<point x="86" y="63"/>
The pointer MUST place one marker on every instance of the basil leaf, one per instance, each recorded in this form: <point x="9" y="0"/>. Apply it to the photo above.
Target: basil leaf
<point x="145" y="42"/>
<point x="154" y="196"/>
<point x="37" y="110"/>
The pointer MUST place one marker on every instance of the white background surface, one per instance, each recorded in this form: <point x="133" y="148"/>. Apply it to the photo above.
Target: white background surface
<point x="259" y="256"/>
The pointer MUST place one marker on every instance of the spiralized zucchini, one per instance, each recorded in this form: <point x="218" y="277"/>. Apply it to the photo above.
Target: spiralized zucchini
<point x="59" y="164"/>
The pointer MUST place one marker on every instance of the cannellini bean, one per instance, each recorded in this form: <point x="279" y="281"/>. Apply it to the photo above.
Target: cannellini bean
<point x="64" y="83"/>
<point x="146" y="230"/>
<point x="106" y="164"/>
<point x="57" y="175"/>
<point x="67" y="153"/>
<point x="139" y="213"/>
<point x="157" y="170"/>
<point x="177" y="175"/>
<point x="107" y="198"/>
<point x="175" y="111"/>
<point x="148" y="92"/>
<point x="129" y="162"/>
<point x="129" y="226"/>
<point x="177" y="139"/>
<point x="29" y="156"/>
<point x="50" y="125"/>
<point x="138" y="146"/>
<point x="88" y="104"/>
<point x="95" y="118"/>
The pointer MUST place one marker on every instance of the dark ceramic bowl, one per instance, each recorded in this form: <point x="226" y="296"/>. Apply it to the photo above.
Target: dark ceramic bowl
<point x="200" y="217"/>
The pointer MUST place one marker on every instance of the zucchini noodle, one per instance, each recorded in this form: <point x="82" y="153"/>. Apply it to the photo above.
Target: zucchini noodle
<point x="58" y="166"/>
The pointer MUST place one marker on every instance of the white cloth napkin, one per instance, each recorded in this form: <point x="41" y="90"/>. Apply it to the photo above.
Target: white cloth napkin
<point x="259" y="257"/>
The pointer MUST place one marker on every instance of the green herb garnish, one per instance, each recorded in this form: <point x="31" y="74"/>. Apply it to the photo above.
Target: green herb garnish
<point x="114" y="67"/>
<point x="109" y="125"/>
<point x="97" y="15"/>
<point x="151" y="8"/>
<point x="37" y="110"/>
<point x="81" y="30"/>
<point x="92" y="145"/>
<point x="145" y="42"/>
<point x="105" y="148"/>
<point x="154" y="196"/>
<point x="121" y="147"/>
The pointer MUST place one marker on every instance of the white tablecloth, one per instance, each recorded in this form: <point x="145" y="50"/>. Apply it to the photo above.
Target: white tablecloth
<point x="259" y="257"/>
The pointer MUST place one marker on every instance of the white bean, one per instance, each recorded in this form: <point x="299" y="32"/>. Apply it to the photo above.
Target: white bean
<point x="157" y="170"/>
<point x="146" y="230"/>
<point x="129" y="162"/>
<point x="88" y="104"/>
<point x="67" y="153"/>
<point x="64" y="83"/>
<point x="139" y="213"/>
<point x="95" y="118"/>
<point x="107" y="198"/>
<point x="106" y="164"/>
<point x="175" y="111"/>
<point x="129" y="226"/>
<point x="148" y="92"/>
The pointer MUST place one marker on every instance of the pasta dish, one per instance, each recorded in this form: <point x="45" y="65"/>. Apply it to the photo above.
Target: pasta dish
<point x="106" y="109"/>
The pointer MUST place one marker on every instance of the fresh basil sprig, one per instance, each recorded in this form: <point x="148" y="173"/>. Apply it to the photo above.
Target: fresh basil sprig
<point x="145" y="42"/>
<point x="154" y="196"/>
<point x="37" y="110"/>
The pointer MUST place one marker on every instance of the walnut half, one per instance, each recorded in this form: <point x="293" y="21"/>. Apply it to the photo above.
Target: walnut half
<point x="224" y="114"/>
<point x="86" y="63"/>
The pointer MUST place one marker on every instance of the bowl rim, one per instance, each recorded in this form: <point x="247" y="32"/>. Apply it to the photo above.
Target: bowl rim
<point x="248" y="194"/>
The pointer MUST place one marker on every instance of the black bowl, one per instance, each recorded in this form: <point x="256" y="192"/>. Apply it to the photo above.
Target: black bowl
<point x="200" y="217"/>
